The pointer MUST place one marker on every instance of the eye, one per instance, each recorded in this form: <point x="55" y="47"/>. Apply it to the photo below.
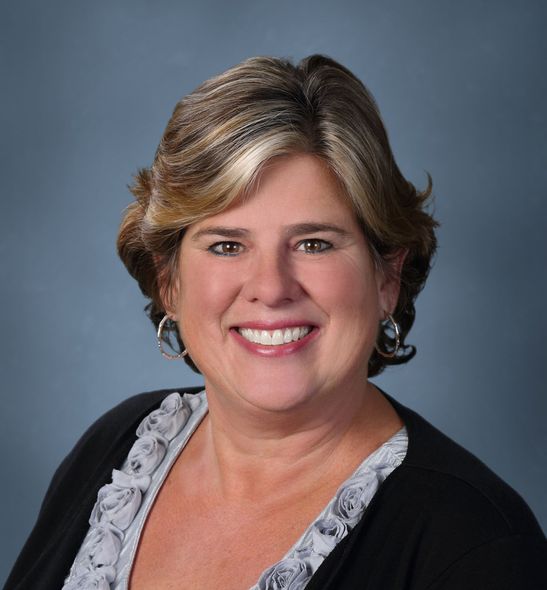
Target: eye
<point x="313" y="246"/>
<point x="226" y="248"/>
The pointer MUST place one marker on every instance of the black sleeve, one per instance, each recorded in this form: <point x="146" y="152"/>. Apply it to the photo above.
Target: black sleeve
<point x="517" y="562"/>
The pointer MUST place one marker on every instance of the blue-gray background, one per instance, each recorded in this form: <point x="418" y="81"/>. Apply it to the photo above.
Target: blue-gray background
<point x="87" y="88"/>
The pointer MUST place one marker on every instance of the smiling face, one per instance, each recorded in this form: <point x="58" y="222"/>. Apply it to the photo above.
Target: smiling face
<point x="277" y="298"/>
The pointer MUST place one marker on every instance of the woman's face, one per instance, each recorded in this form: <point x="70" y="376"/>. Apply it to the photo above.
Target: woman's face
<point x="277" y="298"/>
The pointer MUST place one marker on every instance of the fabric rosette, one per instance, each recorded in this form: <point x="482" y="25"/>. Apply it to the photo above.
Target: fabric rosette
<point x="90" y="581"/>
<point x="352" y="499"/>
<point x="193" y="400"/>
<point x="128" y="480"/>
<point x="168" y="419"/>
<point x="288" y="574"/>
<point x="325" y="534"/>
<point x="101" y="548"/>
<point x="116" y="505"/>
<point x="145" y="455"/>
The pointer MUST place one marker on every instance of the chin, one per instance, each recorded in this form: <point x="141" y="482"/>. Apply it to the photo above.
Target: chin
<point x="279" y="394"/>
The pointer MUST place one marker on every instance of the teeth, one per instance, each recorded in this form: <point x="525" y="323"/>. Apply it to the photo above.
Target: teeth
<point x="275" y="337"/>
<point x="266" y="338"/>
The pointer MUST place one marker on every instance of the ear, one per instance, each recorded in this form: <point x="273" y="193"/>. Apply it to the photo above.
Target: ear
<point x="167" y="285"/>
<point x="390" y="280"/>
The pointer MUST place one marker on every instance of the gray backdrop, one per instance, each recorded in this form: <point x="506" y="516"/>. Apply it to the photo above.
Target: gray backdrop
<point x="87" y="88"/>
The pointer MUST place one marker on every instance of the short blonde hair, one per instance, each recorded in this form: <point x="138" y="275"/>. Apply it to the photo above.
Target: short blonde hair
<point x="221" y="135"/>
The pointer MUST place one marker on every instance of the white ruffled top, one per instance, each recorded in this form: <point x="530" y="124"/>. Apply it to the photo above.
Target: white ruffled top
<point x="106" y="556"/>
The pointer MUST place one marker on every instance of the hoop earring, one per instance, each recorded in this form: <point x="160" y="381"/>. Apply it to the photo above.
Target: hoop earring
<point x="159" y="336"/>
<point x="397" y="331"/>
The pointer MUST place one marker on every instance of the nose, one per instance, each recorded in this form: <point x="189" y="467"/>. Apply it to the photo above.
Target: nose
<point x="271" y="280"/>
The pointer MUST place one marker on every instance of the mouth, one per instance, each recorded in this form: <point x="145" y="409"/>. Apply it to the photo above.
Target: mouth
<point x="277" y="337"/>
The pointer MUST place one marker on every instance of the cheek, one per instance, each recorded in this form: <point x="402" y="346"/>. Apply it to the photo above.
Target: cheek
<point x="204" y="292"/>
<point x="348" y="286"/>
<point x="350" y="297"/>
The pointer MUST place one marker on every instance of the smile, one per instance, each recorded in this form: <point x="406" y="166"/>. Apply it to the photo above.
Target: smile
<point x="275" y="337"/>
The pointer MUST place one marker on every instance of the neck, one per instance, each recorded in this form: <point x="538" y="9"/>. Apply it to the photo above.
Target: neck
<point x="253" y="452"/>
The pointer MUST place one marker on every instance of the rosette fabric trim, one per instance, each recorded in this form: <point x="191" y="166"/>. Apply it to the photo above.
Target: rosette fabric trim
<point x="118" y="502"/>
<point x="341" y="514"/>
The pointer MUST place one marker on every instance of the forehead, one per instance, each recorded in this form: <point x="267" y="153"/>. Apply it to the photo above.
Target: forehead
<point x="288" y="190"/>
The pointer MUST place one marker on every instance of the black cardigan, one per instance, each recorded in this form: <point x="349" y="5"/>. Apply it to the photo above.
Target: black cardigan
<point x="441" y="521"/>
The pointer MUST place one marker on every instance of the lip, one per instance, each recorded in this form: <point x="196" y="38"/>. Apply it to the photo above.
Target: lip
<point x="279" y="350"/>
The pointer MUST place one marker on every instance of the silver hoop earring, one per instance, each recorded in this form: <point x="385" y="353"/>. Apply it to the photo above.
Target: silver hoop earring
<point x="397" y="332"/>
<point x="159" y="336"/>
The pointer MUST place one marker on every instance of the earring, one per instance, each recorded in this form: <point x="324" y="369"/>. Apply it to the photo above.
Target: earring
<point x="397" y="332"/>
<point x="159" y="336"/>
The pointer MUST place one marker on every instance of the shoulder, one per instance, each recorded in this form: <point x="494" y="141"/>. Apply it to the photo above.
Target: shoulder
<point x="111" y="434"/>
<point x="443" y="515"/>
<point x="453" y="480"/>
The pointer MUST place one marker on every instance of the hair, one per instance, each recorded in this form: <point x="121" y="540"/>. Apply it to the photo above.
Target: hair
<point x="222" y="134"/>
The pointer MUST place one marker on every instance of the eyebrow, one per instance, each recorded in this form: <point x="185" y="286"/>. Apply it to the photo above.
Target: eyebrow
<point x="310" y="227"/>
<point x="219" y="230"/>
<point x="313" y="227"/>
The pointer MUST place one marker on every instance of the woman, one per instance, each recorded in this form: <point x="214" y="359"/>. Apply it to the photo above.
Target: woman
<point x="280" y="245"/>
